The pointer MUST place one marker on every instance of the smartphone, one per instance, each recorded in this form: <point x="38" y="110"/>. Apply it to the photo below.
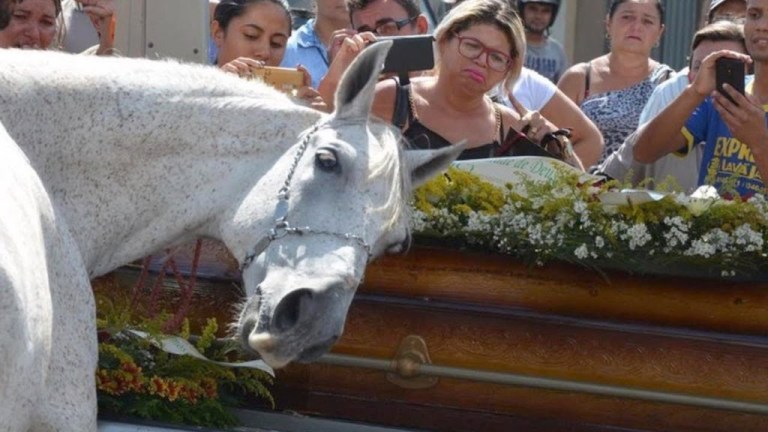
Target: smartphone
<point x="409" y="54"/>
<point x="283" y="79"/>
<point x="729" y="71"/>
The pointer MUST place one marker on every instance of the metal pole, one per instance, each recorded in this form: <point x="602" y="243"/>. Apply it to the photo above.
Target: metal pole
<point x="549" y="384"/>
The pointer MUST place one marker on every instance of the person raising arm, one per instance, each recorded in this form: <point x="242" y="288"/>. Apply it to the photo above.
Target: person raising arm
<point x="735" y="134"/>
<point x="252" y="34"/>
<point x="537" y="93"/>
<point x="373" y="18"/>
<point x="480" y="44"/>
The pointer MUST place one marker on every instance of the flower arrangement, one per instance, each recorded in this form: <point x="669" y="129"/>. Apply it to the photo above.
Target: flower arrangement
<point x="138" y="379"/>
<point x="568" y="219"/>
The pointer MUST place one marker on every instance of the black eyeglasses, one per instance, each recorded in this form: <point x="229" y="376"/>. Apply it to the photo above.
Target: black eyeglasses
<point x="388" y="26"/>
<point x="472" y="48"/>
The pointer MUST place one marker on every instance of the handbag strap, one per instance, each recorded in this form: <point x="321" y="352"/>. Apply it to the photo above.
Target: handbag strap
<point x="401" y="114"/>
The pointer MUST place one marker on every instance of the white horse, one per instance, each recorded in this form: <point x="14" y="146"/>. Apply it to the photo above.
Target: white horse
<point x="36" y="249"/>
<point x="138" y="155"/>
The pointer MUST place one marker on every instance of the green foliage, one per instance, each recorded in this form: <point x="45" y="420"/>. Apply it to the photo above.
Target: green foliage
<point x="135" y="378"/>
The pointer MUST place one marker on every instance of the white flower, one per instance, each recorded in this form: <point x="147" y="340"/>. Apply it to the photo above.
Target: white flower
<point x="751" y="240"/>
<point x="599" y="242"/>
<point x="607" y="232"/>
<point x="581" y="252"/>
<point x="719" y="239"/>
<point x="677" y="234"/>
<point x="760" y="203"/>
<point x="534" y="234"/>
<point x="638" y="236"/>
<point x="538" y="202"/>
<point x="564" y="219"/>
<point x="419" y="221"/>
<point x="701" y="248"/>
<point x="561" y="192"/>
<point x="618" y="227"/>
<point x="701" y="200"/>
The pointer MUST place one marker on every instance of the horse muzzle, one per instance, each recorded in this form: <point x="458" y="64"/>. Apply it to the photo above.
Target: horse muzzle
<point x="302" y="325"/>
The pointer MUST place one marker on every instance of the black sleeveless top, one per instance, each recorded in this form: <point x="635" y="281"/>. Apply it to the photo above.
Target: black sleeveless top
<point x="422" y="137"/>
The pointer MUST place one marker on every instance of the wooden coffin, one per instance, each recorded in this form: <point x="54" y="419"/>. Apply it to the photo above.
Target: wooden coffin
<point x="676" y="354"/>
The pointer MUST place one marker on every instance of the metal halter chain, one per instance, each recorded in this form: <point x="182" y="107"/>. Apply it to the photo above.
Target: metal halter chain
<point x="282" y="228"/>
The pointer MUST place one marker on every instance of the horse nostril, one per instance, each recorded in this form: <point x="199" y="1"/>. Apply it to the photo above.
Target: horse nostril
<point x="289" y="310"/>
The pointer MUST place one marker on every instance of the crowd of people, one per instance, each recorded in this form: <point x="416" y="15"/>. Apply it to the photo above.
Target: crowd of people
<point x="500" y="78"/>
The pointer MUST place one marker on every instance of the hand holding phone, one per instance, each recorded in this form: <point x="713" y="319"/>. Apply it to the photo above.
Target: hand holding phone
<point x="729" y="71"/>
<point x="283" y="79"/>
<point x="409" y="54"/>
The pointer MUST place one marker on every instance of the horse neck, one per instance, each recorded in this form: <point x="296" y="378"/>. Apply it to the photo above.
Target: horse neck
<point x="133" y="173"/>
<point x="171" y="196"/>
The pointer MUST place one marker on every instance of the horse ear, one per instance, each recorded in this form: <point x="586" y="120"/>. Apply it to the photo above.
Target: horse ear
<point x="354" y="95"/>
<point x="425" y="164"/>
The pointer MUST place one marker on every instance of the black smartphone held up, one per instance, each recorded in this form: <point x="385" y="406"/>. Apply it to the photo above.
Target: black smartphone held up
<point x="409" y="54"/>
<point x="729" y="71"/>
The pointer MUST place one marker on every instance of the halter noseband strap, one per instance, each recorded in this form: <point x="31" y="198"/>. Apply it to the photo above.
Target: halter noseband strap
<point x="282" y="228"/>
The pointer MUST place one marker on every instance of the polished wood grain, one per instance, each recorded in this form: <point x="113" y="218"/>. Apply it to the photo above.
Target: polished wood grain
<point x="473" y="277"/>
<point x="491" y="313"/>
<point x="465" y="406"/>
<point x="637" y="357"/>
<point x="490" y="279"/>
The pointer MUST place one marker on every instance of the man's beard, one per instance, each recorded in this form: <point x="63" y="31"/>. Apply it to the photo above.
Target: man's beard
<point x="5" y="13"/>
<point x="530" y="29"/>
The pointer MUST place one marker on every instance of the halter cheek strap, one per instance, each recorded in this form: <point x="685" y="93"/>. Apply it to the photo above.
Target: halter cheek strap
<point x="282" y="228"/>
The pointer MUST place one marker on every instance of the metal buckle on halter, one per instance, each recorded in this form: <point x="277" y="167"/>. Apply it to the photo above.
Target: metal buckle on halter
<point x="280" y="230"/>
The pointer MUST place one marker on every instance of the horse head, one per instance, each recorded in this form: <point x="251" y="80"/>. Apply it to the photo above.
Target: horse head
<point x="336" y="200"/>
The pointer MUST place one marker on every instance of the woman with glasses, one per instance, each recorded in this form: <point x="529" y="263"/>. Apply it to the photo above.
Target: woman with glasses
<point x="480" y="44"/>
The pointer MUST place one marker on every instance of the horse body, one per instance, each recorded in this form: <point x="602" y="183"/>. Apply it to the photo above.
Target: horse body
<point x="138" y="155"/>
<point x="37" y="251"/>
<point x="122" y="143"/>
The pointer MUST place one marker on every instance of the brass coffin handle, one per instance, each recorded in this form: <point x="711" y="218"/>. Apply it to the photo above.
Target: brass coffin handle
<point x="406" y="365"/>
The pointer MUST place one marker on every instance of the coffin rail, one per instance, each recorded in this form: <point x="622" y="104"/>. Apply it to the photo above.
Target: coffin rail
<point x="519" y="347"/>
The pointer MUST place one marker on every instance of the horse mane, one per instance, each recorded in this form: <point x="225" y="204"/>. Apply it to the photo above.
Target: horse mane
<point x="391" y="163"/>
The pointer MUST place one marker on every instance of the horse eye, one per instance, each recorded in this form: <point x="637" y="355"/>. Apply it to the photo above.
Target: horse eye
<point x="326" y="159"/>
